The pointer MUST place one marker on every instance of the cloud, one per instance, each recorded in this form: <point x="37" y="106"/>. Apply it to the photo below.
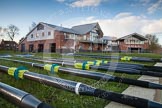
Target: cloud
<point x="154" y="26"/>
<point x="60" y="0"/>
<point x="144" y="2"/>
<point x="137" y="3"/>
<point x="84" y="3"/>
<point x="123" y="24"/>
<point x="122" y="15"/>
<point x="154" y="7"/>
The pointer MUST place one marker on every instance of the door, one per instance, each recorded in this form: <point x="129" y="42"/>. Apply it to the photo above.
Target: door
<point x="31" y="48"/>
<point x="134" y="50"/>
<point x="22" y="47"/>
<point x="40" y="47"/>
<point x="53" y="47"/>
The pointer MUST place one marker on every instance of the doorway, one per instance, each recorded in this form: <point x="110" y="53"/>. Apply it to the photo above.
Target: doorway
<point x="53" y="47"/>
<point x="22" y="47"/>
<point x="135" y="50"/>
<point x="40" y="47"/>
<point x="31" y="48"/>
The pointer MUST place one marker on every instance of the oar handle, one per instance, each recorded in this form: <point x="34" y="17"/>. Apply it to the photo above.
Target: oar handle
<point x="154" y="68"/>
<point x="132" y="81"/>
<point x="151" y="73"/>
<point x="125" y="99"/>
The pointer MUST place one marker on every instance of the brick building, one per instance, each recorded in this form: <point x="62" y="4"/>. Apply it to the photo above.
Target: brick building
<point x="51" y="38"/>
<point x="8" y="45"/>
<point x="133" y="43"/>
<point x="112" y="45"/>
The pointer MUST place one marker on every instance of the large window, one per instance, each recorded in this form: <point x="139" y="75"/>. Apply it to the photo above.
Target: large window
<point x="69" y="36"/>
<point x="93" y="36"/>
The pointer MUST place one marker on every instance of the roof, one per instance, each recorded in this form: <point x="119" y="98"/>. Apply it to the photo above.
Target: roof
<point x="83" y="29"/>
<point x="136" y="35"/>
<point x="80" y="29"/>
<point x="109" y="38"/>
<point x="8" y="42"/>
<point x="63" y="29"/>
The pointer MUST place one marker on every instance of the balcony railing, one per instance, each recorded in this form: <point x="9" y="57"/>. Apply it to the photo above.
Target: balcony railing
<point x="100" y="41"/>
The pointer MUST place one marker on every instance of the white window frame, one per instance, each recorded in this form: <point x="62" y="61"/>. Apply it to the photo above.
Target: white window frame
<point x="32" y="36"/>
<point x="48" y="33"/>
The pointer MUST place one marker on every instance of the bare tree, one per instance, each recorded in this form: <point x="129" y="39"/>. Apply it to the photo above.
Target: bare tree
<point x="12" y="31"/>
<point x="1" y="32"/>
<point x="153" y="42"/>
<point x="33" y="25"/>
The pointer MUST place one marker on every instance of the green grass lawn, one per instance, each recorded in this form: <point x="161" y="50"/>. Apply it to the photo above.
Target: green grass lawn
<point x="59" y="98"/>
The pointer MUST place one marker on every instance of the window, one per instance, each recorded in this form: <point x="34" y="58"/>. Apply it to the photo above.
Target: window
<point x="84" y="37"/>
<point x="40" y="27"/>
<point x="142" y="42"/>
<point x="43" y="34"/>
<point x="93" y="36"/>
<point x="90" y="48"/>
<point x="49" y="33"/>
<point x="80" y="47"/>
<point x="66" y="36"/>
<point x="31" y="35"/>
<point x="137" y="41"/>
<point x="37" y="35"/>
<point x="72" y="36"/>
<point x="69" y="36"/>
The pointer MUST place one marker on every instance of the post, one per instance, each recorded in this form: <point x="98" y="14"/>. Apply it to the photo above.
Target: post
<point x="102" y="45"/>
<point x="74" y="43"/>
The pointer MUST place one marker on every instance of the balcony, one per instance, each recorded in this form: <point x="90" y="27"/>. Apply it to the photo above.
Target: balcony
<point x="97" y="41"/>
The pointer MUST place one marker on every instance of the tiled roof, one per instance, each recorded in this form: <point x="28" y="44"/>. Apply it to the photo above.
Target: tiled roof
<point x="80" y="29"/>
<point x="83" y="29"/>
<point x="63" y="29"/>
<point x="142" y="38"/>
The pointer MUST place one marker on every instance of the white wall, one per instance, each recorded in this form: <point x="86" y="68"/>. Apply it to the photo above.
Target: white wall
<point x="46" y="30"/>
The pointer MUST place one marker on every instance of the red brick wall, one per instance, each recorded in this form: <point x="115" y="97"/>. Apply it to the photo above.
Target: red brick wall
<point x="60" y="41"/>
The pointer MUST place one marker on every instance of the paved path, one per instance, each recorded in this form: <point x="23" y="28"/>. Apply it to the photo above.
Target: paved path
<point x="151" y="94"/>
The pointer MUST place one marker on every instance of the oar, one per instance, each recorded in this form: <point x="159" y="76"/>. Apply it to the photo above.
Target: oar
<point x="135" y="66"/>
<point x="82" y="89"/>
<point x="139" y="59"/>
<point x="21" y="98"/>
<point x="116" y="64"/>
<point x="96" y="56"/>
<point x="111" y="64"/>
<point x="95" y="75"/>
<point x="110" y="68"/>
